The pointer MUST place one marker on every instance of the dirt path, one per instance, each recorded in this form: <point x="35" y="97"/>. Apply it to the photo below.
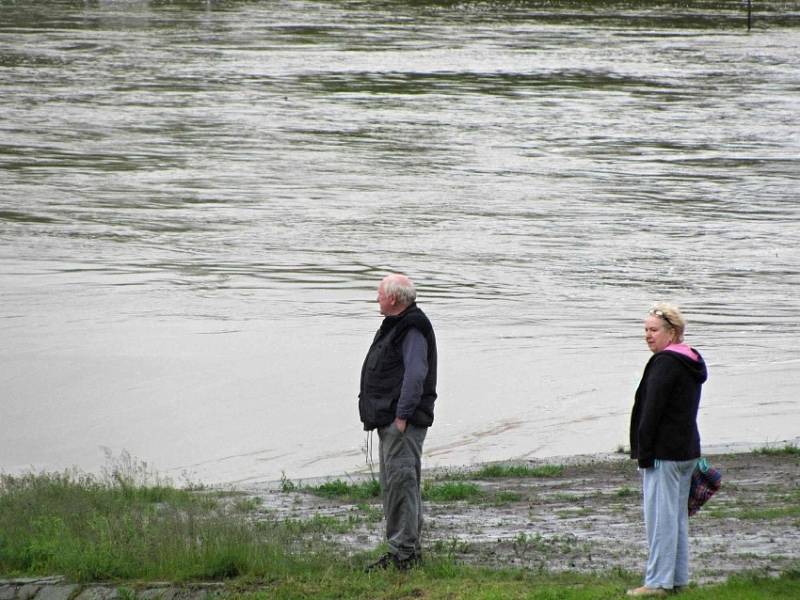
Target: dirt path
<point x="589" y="518"/>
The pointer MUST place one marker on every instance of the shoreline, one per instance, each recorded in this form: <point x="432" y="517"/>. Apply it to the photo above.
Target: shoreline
<point x="363" y="473"/>
<point x="587" y="519"/>
<point x="577" y="523"/>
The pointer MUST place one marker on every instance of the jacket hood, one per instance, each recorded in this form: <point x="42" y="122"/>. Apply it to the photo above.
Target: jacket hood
<point x="696" y="367"/>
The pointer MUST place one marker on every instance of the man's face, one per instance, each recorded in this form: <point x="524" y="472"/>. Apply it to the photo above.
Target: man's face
<point x="385" y="302"/>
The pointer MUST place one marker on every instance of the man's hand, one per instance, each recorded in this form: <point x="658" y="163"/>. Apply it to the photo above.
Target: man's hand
<point x="401" y="424"/>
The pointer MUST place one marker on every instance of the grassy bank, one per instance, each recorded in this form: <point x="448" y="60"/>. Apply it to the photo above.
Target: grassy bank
<point x="128" y="526"/>
<point x="89" y="530"/>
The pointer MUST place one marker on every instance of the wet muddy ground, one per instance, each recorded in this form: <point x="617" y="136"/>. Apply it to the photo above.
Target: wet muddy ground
<point x="587" y="517"/>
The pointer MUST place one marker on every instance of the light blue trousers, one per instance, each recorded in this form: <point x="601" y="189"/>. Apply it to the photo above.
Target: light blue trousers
<point x="666" y="518"/>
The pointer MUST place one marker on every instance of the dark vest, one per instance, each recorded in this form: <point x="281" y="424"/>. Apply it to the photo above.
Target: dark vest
<point x="383" y="370"/>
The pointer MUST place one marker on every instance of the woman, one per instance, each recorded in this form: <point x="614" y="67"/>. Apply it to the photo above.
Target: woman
<point x="666" y="443"/>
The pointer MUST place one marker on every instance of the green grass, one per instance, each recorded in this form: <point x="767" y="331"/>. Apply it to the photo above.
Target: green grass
<point x="370" y="513"/>
<point x="445" y="580"/>
<point x="559" y="497"/>
<point x="451" y="547"/>
<point x="321" y="525"/>
<point x="343" y="490"/>
<point x="450" y="491"/>
<point x="89" y="529"/>
<point x="764" y="513"/>
<point x="626" y="492"/>
<point x="778" y="512"/>
<point x="506" y="497"/>
<point x="776" y="505"/>
<point x="787" y="450"/>
<point x="520" y="471"/>
<point x="572" y="513"/>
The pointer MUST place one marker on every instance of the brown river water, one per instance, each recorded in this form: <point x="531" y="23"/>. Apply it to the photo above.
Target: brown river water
<point x="197" y="200"/>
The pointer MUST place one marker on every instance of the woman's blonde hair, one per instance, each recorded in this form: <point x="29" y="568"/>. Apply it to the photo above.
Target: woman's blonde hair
<point x="672" y="317"/>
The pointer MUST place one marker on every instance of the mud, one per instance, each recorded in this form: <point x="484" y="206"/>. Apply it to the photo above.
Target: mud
<point x="587" y="519"/>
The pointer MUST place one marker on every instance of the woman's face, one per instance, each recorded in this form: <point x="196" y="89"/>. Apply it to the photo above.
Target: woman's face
<point x="657" y="333"/>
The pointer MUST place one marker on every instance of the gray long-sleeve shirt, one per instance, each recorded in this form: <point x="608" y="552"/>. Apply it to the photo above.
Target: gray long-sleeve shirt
<point x="415" y="362"/>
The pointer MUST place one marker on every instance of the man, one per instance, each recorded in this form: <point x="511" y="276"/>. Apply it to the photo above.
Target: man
<point x="398" y="390"/>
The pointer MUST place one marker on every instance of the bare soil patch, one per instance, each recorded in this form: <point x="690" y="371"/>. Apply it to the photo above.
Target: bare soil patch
<point x="588" y="518"/>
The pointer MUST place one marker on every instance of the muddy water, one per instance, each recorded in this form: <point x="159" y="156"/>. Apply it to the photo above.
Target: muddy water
<point x="198" y="201"/>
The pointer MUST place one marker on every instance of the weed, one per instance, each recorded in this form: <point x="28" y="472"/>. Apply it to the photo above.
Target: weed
<point x="126" y="593"/>
<point x="626" y="492"/>
<point x="565" y="497"/>
<point x="247" y="505"/>
<point x="319" y="524"/>
<point x="287" y="485"/>
<point x="763" y="514"/>
<point x="506" y="497"/>
<point x="451" y="547"/>
<point x="372" y="514"/>
<point x="525" y="544"/>
<point x="571" y="513"/>
<point x="723" y="510"/>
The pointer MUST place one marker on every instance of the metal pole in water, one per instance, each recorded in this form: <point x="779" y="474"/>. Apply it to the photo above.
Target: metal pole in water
<point x="749" y="14"/>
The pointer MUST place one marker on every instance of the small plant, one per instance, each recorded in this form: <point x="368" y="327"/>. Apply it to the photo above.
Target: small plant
<point x="287" y="485"/>
<point x="571" y="513"/>
<point x="371" y="514"/>
<point x="626" y="492"/>
<point x="524" y="543"/>
<point x="319" y="525"/>
<point x="764" y="514"/>
<point x="247" y="505"/>
<point x="126" y="593"/>
<point x="566" y="497"/>
<point x="452" y="547"/>
<point x="506" y="497"/>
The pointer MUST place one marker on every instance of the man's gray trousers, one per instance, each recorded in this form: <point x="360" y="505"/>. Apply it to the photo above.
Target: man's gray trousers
<point x="401" y="478"/>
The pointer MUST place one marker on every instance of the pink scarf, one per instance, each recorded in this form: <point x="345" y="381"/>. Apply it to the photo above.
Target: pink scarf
<point x="683" y="349"/>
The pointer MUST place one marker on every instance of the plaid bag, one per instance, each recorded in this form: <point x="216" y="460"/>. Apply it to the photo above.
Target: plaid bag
<point x="706" y="480"/>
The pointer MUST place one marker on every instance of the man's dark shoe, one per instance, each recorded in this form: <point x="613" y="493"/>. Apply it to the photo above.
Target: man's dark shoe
<point x="384" y="562"/>
<point x="401" y="564"/>
<point x="406" y="564"/>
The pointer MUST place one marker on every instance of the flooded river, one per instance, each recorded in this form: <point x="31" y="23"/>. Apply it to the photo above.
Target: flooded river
<point x="198" y="199"/>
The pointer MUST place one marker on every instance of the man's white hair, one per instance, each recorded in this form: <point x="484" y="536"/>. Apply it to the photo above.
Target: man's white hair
<point x="401" y="287"/>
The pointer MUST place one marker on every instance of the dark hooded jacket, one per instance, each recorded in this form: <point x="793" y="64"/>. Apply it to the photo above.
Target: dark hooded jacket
<point x="664" y="416"/>
<point x="383" y="371"/>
